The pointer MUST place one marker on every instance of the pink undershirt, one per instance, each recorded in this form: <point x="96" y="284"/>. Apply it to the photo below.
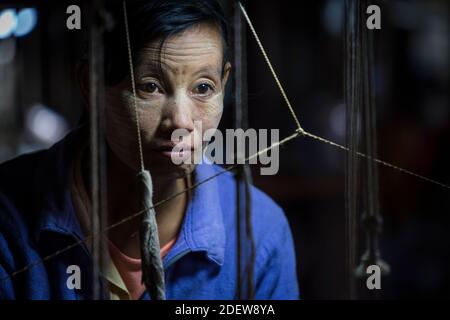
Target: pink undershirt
<point x="130" y="268"/>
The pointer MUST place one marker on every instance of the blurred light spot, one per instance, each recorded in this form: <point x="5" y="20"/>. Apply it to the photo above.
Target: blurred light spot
<point x="332" y="17"/>
<point x="8" y="22"/>
<point x="26" y="21"/>
<point x="45" y="125"/>
<point x="430" y="48"/>
<point x="7" y="51"/>
<point x="337" y="120"/>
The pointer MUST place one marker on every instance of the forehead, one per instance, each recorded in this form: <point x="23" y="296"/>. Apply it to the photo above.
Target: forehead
<point x="198" y="45"/>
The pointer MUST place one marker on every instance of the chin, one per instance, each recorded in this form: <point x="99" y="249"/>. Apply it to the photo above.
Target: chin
<point x="169" y="171"/>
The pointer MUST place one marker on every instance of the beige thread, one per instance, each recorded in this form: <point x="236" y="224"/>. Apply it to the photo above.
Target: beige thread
<point x="298" y="132"/>
<point x="133" y="85"/>
<point x="195" y="185"/>
<point x="313" y="136"/>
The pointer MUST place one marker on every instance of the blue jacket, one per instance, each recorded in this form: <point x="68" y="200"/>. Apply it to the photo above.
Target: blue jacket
<point x="37" y="218"/>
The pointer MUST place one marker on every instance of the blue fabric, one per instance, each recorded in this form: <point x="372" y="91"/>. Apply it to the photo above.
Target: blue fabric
<point x="37" y="218"/>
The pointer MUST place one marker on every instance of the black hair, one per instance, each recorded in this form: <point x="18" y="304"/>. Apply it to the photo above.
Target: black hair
<point x="154" y="20"/>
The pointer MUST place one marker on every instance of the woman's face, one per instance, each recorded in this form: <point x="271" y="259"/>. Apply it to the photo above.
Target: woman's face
<point x="174" y="89"/>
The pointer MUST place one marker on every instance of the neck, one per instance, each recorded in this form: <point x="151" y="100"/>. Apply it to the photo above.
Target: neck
<point x="122" y="202"/>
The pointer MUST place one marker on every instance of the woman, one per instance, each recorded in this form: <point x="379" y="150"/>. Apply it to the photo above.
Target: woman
<point x="180" y="72"/>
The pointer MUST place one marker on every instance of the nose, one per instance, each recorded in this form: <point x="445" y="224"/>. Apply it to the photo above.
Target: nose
<point x="177" y="114"/>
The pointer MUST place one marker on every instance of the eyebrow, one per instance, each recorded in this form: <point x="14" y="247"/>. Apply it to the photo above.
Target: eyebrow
<point x="156" y="66"/>
<point x="152" y="66"/>
<point x="208" y="69"/>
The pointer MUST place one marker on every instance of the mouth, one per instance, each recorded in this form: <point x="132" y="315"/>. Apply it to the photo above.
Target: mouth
<point x="171" y="150"/>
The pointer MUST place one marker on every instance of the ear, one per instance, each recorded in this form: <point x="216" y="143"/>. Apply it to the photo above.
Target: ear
<point x="226" y="73"/>
<point x="82" y="77"/>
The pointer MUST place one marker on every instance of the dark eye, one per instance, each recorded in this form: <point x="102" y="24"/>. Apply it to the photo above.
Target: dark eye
<point x="203" y="89"/>
<point x="150" y="87"/>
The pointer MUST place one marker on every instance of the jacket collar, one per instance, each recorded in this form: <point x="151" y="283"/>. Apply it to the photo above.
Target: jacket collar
<point x="203" y="228"/>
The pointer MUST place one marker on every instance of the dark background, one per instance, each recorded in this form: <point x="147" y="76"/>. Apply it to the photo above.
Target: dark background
<point x="305" y="43"/>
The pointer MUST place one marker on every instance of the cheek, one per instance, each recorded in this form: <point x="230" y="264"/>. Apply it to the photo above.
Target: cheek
<point x="210" y="113"/>
<point x="120" y="133"/>
<point x="149" y="119"/>
<point x="119" y="120"/>
<point x="121" y="128"/>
